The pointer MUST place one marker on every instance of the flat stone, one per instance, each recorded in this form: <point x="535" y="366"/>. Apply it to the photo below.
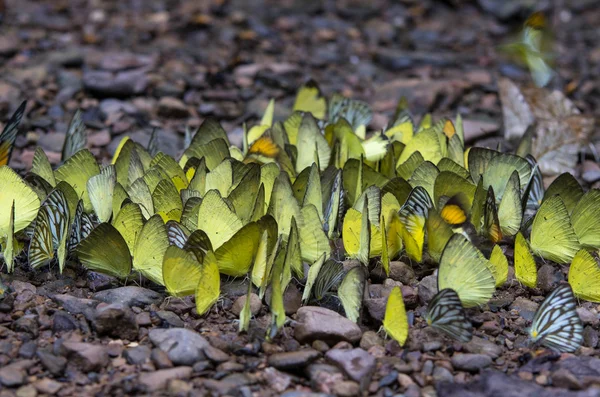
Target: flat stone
<point x="63" y="322"/>
<point x="47" y="386"/>
<point x="129" y="296"/>
<point x="183" y="346"/>
<point x="157" y="380"/>
<point x="171" y="319"/>
<point x="121" y="84"/>
<point x="471" y="362"/>
<point x="400" y="271"/>
<point x="293" y="360"/>
<point x="137" y="355"/>
<point x="75" y="305"/>
<point x="53" y="364"/>
<point x="255" y="304"/>
<point x="479" y="345"/>
<point x="116" y="320"/>
<point x="11" y="376"/>
<point x="356" y="363"/>
<point x="326" y="325"/>
<point x="172" y="107"/>
<point x="525" y="307"/>
<point x="86" y="356"/>
<point x="160" y="359"/>
<point x="427" y="289"/>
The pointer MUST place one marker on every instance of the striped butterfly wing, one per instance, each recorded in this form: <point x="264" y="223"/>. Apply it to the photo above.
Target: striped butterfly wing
<point x="9" y="134"/>
<point x="75" y="235"/>
<point x="556" y="324"/>
<point x="76" y="138"/>
<point x="446" y="313"/>
<point x="58" y="215"/>
<point x="41" y="250"/>
<point x="87" y="225"/>
<point x="177" y="236"/>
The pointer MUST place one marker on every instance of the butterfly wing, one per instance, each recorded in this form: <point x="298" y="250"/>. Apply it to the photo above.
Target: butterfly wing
<point x="446" y="313"/>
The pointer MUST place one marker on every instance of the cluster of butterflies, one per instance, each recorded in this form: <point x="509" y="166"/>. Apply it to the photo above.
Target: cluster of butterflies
<point x="299" y="197"/>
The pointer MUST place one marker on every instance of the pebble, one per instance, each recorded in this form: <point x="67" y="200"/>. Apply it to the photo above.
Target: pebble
<point x="171" y="319"/>
<point x="590" y="337"/>
<point x="277" y="380"/>
<point x="432" y="346"/>
<point x="548" y="278"/>
<point x="121" y="84"/>
<point x="441" y="374"/>
<point x="137" y="355"/>
<point x="158" y="380"/>
<point x="588" y="316"/>
<point x="525" y="307"/>
<point x="400" y="271"/>
<point x="320" y="346"/>
<point x="47" y="386"/>
<point x="54" y="364"/>
<point x="255" y="304"/>
<point x="324" y="324"/>
<point x="565" y="379"/>
<point x="160" y="359"/>
<point x="63" y="322"/>
<point x="479" y="345"/>
<point x="86" y="356"/>
<point x="346" y="388"/>
<point x="27" y="350"/>
<point x="11" y="376"/>
<point x="27" y="324"/>
<point x="26" y="391"/>
<point x="75" y="305"/>
<point x="183" y="346"/>
<point x="292" y="299"/>
<point x="356" y="363"/>
<point x="172" y="107"/>
<point x="129" y="296"/>
<point x="116" y="320"/>
<point x="293" y="360"/>
<point x="370" y="339"/>
<point x="471" y="362"/>
<point x="427" y="289"/>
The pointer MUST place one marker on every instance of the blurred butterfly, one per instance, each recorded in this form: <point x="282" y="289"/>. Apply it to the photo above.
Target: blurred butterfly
<point x="446" y="314"/>
<point x="9" y="134"/>
<point x="556" y="324"/>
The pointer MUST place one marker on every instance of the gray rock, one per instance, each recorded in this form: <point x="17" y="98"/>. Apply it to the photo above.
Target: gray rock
<point x="137" y="355"/>
<point x="153" y="381"/>
<point x="11" y="376"/>
<point x="28" y="324"/>
<point x="356" y="363"/>
<point x="120" y="84"/>
<point x="370" y="339"/>
<point x="293" y="360"/>
<point x="160" y="359"/>
<point x="86" y="356"/>
<point x="48" y="386"/>
<point x="63" y="322"/>
<point x="346" y="388"/>
<point x="432" y="346"/>
<point x="324" y="324"/>
<point x="53" y="364"/>
<point x="183" y="346"/>
<point x="255" y="304"/>
<point x="130" y="296"/>
<point x="427" y="289"/>
<point x="172" y="107"/>
<point x="588" y="316"/>
<point x="441" y="374"/>
<point x="525" y="307"/>
<point x="590" y="337"/>
<point x="75" y="305"/>
<point x="292" y="299"/>
<point x="171" y="319"/>
<point x="215" y="355"/>
<point x="116" y="320"/>
<point x="548" y="278"/>
<point x="400" y="271"/>
<point x="471" y="362"/>
<point x="27" y="350"/>
<point x="277" y="380"/>
<point x="479" y="345"/>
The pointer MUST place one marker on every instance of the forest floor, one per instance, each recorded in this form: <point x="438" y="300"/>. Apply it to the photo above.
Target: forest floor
<point x="135" y="65"/>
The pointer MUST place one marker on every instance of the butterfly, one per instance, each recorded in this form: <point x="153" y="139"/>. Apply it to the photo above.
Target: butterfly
<point x="556" y="324"/>
<point x="446" y="313"/>
<point x="9" y="134"/>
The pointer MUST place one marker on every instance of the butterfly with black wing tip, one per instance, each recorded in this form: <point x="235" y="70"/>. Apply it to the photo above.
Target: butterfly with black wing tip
<point x="446" y="314"/>
<point x="556" y="324"/>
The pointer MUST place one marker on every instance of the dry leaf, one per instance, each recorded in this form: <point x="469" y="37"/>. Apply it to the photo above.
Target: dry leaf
<point x="560" y="130"/>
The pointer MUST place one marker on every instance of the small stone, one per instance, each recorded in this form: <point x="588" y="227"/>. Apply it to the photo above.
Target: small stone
<point x="479" y="345"/>
<point x="320" y="346"/>
<point x="292" y="299"/>
<point x="11" y="376"/>
<point x="400" y="271"/>
<point x="588" y="316"/>
<point x="54" y="364"/>
<point x="404" y="380"/>
<point x="293" y="360"/>
<point x="491" y="328"/>
<point x="160" y="359"/>
<point x="26" y="391"/>
<point x="370" y="339"/>
<point x="548" y="278"/>
<point x="143" y="319"/>
<point x="99" y="139"/>
<point x="171" y="319"/>
<point x="427" y="369"/>
<point x="215" y="355"/>
<point x="121" y="84"/>
<point x="277" y="380"/>
<point x="525" y="307"/>
<point x="63" y="322"/>
<point x="172" y="107"/>
<point x="346" y="388"/>
<point x="28" y="324"/>
<point x="157" y="380"/>
<point x="255" y="304"/>
<point x="137" y="355"/>
<point x="432" y="346"/>
<point x="183" y="346"/>
<point x="27" y="350"/>
<point x="427" y="289"/>
<point x="324" y="324"/>
<point x="471" y="362"/>
<point x="86" y="356"/>
<point x="590" y="337"/>
<point x="75" y="305"/>
<point x="116" y="320"/>
<point x="565" y="379"/>
<point x="178" y="387"/>
<point x="48" y="386"/>
<point x="129" y="296"/>
<point x="356" y="363"/>
<point x="441" y="374"/>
